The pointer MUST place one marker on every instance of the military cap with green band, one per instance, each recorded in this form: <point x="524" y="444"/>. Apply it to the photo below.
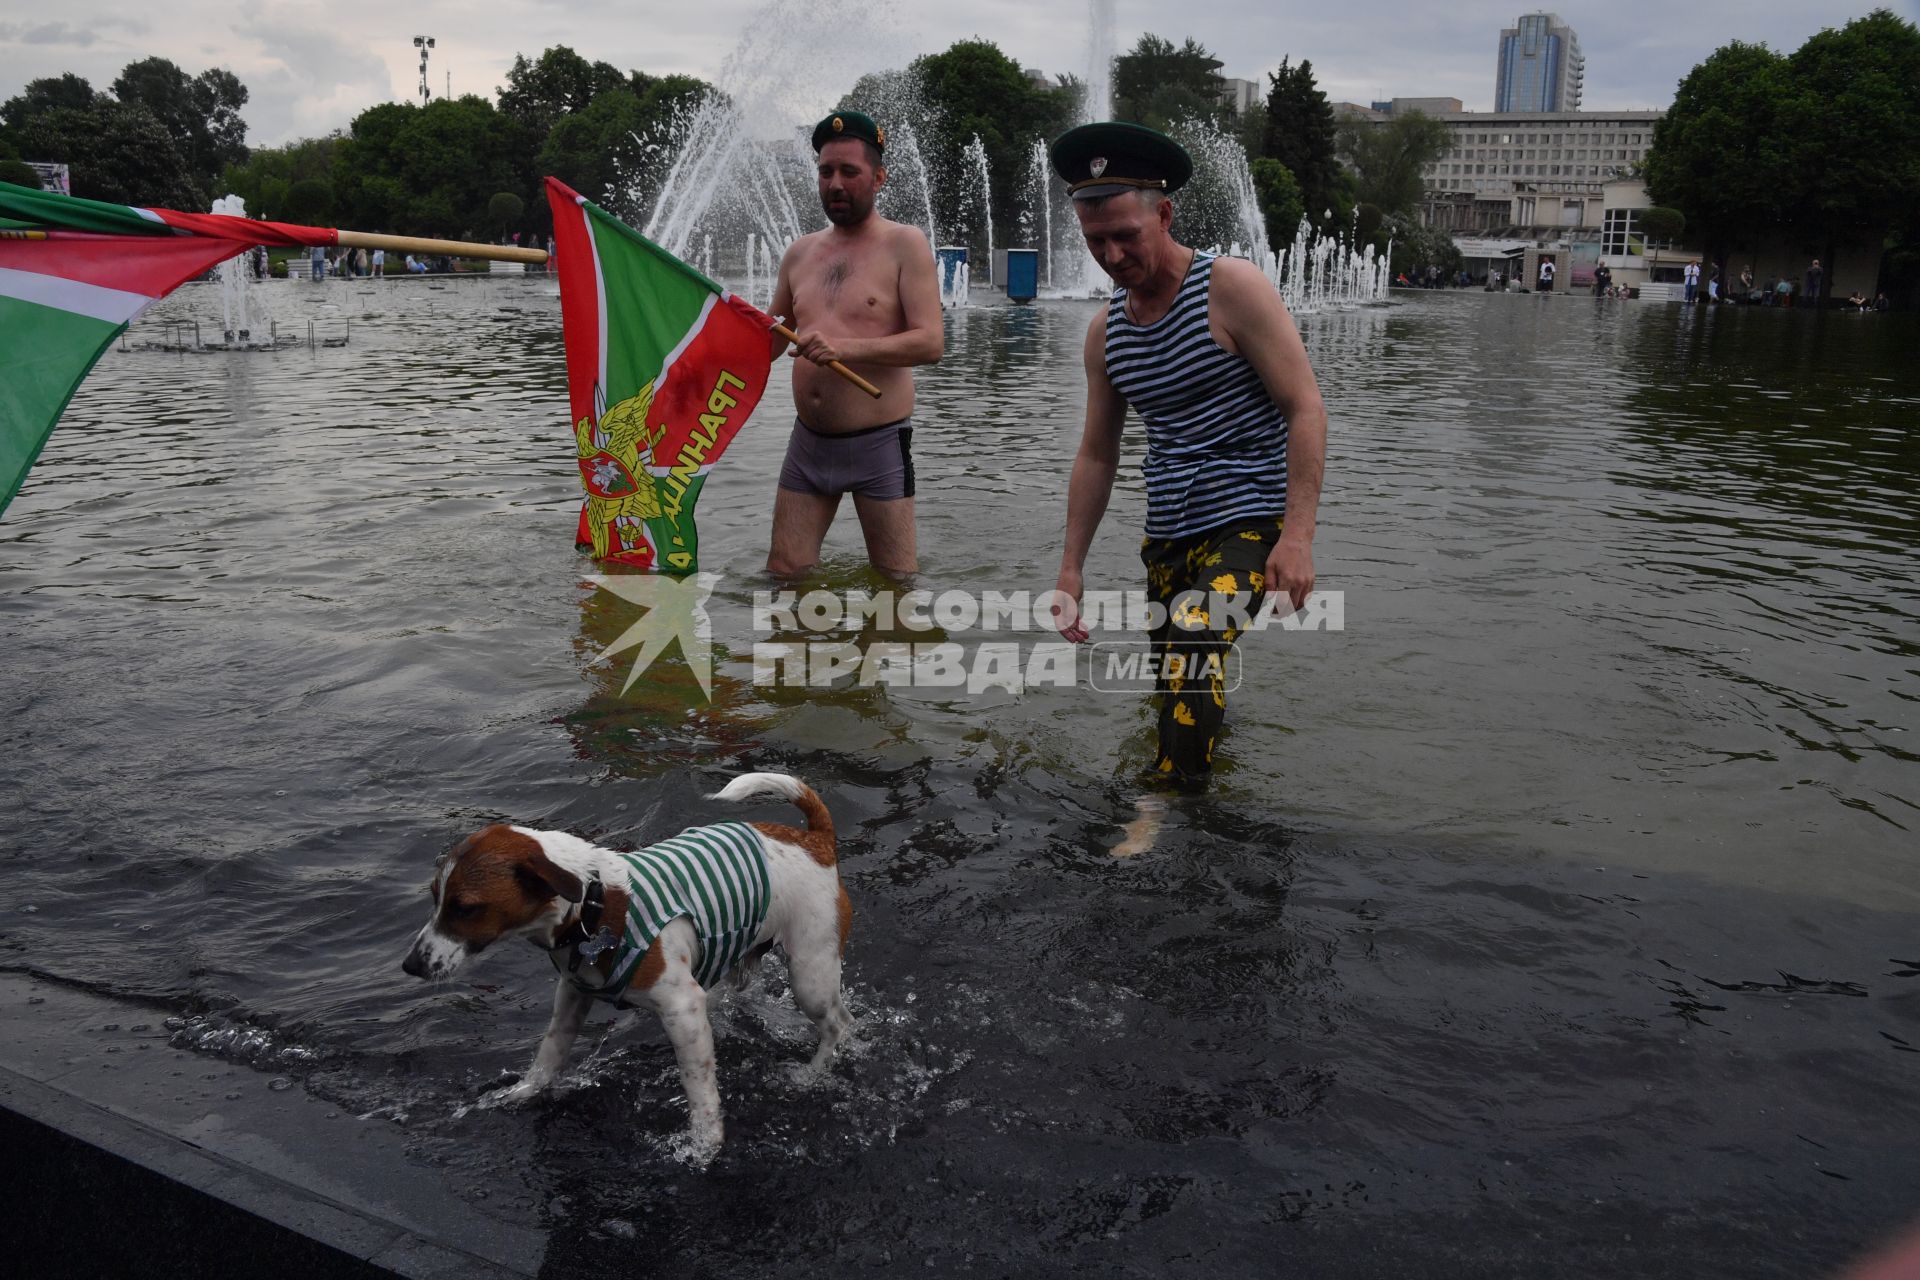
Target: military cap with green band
<point x="1112" y="156"/>
<point x="849" y="124"/>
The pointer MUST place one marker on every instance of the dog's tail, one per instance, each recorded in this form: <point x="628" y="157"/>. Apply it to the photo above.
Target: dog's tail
<point x="762" y="786"/>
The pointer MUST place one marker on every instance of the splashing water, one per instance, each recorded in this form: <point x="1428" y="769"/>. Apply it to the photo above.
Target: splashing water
<point x="1098" y="103"/>
<point x="745" y="165"/>
<point x="981" y="194"/>
<point x="240" y="313"/>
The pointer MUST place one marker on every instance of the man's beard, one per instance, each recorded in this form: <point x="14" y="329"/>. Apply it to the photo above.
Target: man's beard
<point x="851" y="213"/>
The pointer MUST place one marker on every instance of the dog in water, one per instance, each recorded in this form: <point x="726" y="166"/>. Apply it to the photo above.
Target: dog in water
<point x="660" y="927"/>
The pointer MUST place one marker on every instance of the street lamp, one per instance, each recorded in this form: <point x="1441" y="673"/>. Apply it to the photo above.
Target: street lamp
<point x="423" y="43"/>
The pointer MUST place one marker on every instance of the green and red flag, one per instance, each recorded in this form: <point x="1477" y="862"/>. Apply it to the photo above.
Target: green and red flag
<point x="663" y="368"/>
<point x="73" y="274"/>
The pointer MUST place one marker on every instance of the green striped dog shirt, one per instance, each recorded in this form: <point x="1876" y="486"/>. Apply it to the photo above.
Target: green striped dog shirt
<point x="714" y="876"/>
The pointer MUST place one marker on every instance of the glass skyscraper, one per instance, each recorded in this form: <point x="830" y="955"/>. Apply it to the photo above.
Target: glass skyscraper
<point x="1541" y="67"/>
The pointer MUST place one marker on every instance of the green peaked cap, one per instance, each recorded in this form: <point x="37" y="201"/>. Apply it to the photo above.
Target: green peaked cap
<point x="1112" y="156"/>
<point x="849" y="124"/>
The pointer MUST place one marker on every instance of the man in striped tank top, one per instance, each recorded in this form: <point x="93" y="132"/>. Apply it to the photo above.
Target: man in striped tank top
<point x="1202" y="348"/>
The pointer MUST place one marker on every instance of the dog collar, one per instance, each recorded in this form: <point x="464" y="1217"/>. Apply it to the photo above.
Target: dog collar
<point x="584" y="933"/>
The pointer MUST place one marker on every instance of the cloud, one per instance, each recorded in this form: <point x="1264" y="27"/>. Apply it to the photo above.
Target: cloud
<point x="304" y="77"/>
<point x="46" y="33"/>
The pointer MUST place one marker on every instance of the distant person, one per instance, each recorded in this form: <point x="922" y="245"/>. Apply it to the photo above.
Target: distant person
<point x="317" y="260"/>
<point x="1746" y="283"/>
<point x="1857" y="300"/>
<point x="1783" y="292"/>
<point x="1713" y="285"/>
<point x="1816" y="279"/>
<point x="1693" y="279"/>
<point x="1546" y="275"/>
<point x="380" y="263"/>
<point x="1880" y="302"/>
<point x="1603" y="281"/>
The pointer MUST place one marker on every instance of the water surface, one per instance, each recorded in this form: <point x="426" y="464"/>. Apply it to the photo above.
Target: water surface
<point x="1557" y="916"/>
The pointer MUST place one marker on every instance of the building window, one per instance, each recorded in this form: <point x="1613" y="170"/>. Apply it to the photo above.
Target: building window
<point x="1620" y="234"/>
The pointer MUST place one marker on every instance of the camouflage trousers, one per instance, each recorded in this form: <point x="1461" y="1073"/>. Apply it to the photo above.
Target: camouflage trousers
<point x="1192" y="658"/>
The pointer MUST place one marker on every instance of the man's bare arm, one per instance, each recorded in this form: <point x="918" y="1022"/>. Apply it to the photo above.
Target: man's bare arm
<point x="1093" y="471"/>
<point x="1264" y="334"/>
<point x="782" y="305"/>
<point x="922" y="338"/>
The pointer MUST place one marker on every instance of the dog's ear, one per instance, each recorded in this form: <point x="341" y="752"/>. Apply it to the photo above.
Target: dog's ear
<point x="553" y="879"/>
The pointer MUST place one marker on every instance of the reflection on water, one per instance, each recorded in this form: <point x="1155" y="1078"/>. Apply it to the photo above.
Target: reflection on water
<point x="1559" y="893"/>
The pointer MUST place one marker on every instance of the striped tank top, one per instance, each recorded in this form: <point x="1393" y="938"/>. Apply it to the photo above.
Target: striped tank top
<point x="1216" y="442"/>
<point x="715" y="876"/>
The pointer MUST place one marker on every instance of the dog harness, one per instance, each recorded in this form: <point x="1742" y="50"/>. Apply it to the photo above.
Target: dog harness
<point x="714" y="876"/>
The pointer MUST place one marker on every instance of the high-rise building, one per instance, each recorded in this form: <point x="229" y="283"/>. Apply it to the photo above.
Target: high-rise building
<point x="1541" y="67"/>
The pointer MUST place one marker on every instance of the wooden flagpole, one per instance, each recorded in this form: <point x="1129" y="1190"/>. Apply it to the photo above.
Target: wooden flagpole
<point x="834" y="365"/>
<point x="533" y="257"/>
<point x="452" y="248"/>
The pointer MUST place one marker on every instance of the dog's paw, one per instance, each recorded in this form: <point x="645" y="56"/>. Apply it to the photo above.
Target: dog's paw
<point x="704" y="1144"/>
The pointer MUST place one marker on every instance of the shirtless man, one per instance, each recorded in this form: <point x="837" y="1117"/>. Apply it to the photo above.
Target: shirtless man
<point x="863" y="291"/>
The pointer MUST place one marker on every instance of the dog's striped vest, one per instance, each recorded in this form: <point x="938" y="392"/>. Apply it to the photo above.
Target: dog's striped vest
<point x="1216" y="442"/>
<point x="715" y="876"/>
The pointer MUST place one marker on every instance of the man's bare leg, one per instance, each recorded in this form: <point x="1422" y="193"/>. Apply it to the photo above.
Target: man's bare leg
<point x="888" y="526"/>
<point x="1139" y="835"/>
<point x="800" y="524"/>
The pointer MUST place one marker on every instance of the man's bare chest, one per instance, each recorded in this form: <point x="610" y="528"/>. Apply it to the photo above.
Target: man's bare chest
<point x="848" y="287"/>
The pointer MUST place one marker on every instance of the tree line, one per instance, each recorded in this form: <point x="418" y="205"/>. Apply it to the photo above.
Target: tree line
<point x="471" y="166"/>
<point x="1820" y="146"/>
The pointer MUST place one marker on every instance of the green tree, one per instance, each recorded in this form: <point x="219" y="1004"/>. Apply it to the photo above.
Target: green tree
<point x="1157" y="83"/>
<point x="115" y="152"/>
<point x="1387" y="157"/>
<point x="268" y="176"/>
<point x="308" y="201"/>
<point x="1852" y="130"/>
<point x="1661" y="223"/>
<point x="617" y="139"/>
<point x="1823" y="145"/>
<point x="504" y="209"/>
<point x="430" y="170"/>
<point x="1413" y="247"/>
<point x="45" y="95"/>
<point x="1719" y="154"/>
<point x="557" y="83"/>
<point x="973" y="88"/>
<point x="1280" y="202"/>
<point x="13" y="169"/>
<point x="587" y="149"/>
<point x="201" y="114"/>
<point x="1300" y="135"/>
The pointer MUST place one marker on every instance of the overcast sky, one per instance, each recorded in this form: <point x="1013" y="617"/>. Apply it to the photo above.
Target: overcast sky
<point x="311" y="69"/>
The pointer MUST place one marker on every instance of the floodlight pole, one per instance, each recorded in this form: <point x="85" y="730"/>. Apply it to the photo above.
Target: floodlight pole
<point x="423" y="44"/>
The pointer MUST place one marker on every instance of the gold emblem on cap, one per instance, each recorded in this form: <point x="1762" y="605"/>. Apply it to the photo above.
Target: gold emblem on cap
<point x="838" y="124"/>
<point x="879" y="136"/>
<point x="1097" y="165"/>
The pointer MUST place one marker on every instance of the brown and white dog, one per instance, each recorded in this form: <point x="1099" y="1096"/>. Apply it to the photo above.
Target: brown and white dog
<point x="553" y="889"/>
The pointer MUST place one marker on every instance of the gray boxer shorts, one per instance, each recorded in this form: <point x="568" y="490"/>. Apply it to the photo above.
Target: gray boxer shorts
<point x="876" y="462"/>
